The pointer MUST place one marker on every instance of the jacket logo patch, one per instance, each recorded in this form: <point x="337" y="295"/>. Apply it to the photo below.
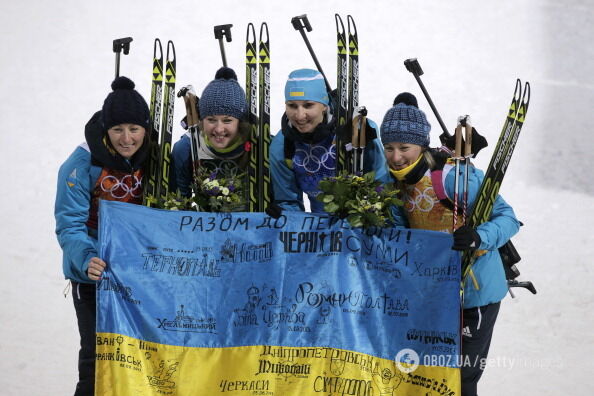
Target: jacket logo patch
<point x="71" y="180"/>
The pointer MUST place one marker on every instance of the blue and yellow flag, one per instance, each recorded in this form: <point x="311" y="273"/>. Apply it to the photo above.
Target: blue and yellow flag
<point x="244" y="304"/>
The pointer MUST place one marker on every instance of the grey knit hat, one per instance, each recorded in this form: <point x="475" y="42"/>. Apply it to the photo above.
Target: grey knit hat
<point x="124" y="105"/>
<point x="405" y="123"/>
<point x="223" y="96"/>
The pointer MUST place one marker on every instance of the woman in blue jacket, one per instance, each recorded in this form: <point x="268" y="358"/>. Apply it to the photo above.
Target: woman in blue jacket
<point x="109" y="165"/>
<point x="224" y="131"/>
<point x="405" y="136"/>
<point x="304" y="151"/>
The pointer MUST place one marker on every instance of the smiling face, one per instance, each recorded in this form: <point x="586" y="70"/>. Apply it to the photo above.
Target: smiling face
<point x="305" y="115"/>
<point x="401" y="155"/>
<point x="126" y="139"/>
<point x="221" y="130"/>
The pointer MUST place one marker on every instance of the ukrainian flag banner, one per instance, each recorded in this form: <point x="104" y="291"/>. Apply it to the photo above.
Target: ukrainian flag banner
<point x="244" y="304"/>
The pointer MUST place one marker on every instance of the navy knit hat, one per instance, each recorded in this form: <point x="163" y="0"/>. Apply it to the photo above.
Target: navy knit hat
<point x="306" y="84"/>
<point x="124" y="105"/>
<point x="223" y="96"/>
<point x="405" y="123"/>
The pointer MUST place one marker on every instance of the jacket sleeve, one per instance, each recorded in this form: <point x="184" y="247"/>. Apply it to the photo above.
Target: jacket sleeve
<point x="73" y="201"/>
<point x="181" y="177"/>
<point x="502" y="224"/>
<point x="375" y="160"/>
<point x="287" y="193"/>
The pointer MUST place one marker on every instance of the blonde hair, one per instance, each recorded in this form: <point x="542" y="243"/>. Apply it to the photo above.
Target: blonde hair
<point x="431" y="163"/>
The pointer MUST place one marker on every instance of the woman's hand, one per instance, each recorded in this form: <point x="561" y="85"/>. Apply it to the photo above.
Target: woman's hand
<point x="96" y="268"/>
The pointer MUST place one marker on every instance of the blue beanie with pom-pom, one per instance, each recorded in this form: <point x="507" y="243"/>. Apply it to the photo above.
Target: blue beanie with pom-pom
<point x="223" y="96"/>
<point x="405" y="123"/>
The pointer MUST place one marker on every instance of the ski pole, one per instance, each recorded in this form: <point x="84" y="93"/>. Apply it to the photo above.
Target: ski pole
<point x="221" y="31"/>
<point x="413" y="66"/>
<point x="120" y="45"/>
<point x="358" y="141"/>
<point x="457" y="154"/>
<point x="301" y="23"/>
<point x="192" y="120"/>
<point x="465" y="122"/>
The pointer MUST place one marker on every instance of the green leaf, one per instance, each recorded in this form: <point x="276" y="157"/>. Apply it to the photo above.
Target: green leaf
<point x="331" y="207"/>
<point x="325" y="185"/>
<point x="327" y="198"/>
<point x="369" y="177"/>
<point x="355" y="220"/>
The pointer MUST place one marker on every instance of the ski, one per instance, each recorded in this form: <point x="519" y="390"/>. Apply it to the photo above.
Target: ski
<point x="341" y="109"/>
<point x="150" y="187"/>
<point x="166" y="125"/>
<point x="355" y="155"/>
<point x="353" y="65"/>
<point x="350" y="131"/>
<point x="257" y="88"/>
<point x="264" y="140"/>
<point x="251" y="91"/>
<point x="500" y="150"/>
<point x="497" y="168"/>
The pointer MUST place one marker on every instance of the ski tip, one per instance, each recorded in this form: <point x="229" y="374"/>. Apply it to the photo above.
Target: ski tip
<point x="526" y="92"/>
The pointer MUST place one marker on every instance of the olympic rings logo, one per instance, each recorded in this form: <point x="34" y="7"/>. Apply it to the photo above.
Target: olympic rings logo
<point x="423" y="201"/>
<point x="121" y="188"/>
<point x="225" y="167"/>
<point x="316" y="158"/>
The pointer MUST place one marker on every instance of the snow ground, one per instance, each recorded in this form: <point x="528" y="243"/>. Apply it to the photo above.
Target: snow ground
<point x="57" y="67"/>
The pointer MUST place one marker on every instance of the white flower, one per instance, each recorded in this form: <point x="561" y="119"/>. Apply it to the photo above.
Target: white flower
<point x="225" y="191"/>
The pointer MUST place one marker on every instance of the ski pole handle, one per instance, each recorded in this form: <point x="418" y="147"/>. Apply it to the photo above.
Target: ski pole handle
<point x="413" y="66"/>
<point x="302" y="24"/>
<point x="192" y="120"/>
<point x="526" y="284"/>
<point x="458" y="147"/>
<point x="467" y="137"/>
<point x="221" y="31"/>
<point x="120" y="45"/>
<point x="189" y="96"/>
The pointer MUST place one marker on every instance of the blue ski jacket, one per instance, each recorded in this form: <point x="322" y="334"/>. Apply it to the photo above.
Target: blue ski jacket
<point x="91" y="173"/>
<point x="76" y="180"/>
<point x="310" y="163"/>
<point x="486" y="283"/>
<point x="181" y="162"/>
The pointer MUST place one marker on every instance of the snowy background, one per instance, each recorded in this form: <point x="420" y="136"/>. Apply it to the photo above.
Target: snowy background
<point x="57" y="66"/>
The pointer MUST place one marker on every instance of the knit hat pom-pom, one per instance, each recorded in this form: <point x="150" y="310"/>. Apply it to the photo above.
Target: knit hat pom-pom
<point x="406" y="98"/>
<point x="226" y="73"/>
<point x="122" y="83"/>
<point x="124" y="105"/>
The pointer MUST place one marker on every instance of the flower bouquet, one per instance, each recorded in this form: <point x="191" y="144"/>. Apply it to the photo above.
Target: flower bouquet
<point x="214" y="192"/>
<point x="362" y="200"/>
